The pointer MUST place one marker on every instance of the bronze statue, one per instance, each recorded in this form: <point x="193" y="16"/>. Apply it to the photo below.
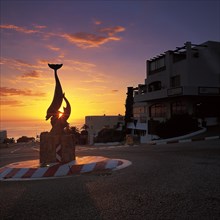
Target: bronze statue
<point x="58" y="119"/>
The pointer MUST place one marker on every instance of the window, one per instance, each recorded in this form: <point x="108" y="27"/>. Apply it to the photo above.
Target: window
<point x="157" y="65"/>
<point x="154" y="86"/>
<point x="175" y="81"/>
<point x="137" y="111"/>
<point x="179" y="56"/>
<point x="158" y="110"/>
<point x="152" y="65"/>
<point x="178" y="108"/>
<point x="142" y="89"/>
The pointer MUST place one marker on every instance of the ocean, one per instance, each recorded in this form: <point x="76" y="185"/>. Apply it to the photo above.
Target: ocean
<point x="32" y="128"/>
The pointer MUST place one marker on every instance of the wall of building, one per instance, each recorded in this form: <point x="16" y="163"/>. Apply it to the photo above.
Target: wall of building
<point x="3" y="135"/>
<point x="97" y="123"/>
<point x="201" y="67"/>
<point x="198" y="68"/>
<point x="204" y="70"/>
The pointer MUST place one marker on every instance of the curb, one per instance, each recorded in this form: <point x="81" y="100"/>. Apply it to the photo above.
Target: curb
<point x="184" y="140"/>
<point x="102" y="148"/>
<point x="60" y="170"/>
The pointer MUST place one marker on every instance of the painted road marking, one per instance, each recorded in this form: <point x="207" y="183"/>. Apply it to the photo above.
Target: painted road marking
<point x="111" y="164"/>
<point x="64" y="169"/>
<point x="20" y="173"/>
<point x="17" y="149"/>
<point x="15" y="172"/>
<point x="6" y="172"/>
<point x="88" y="167"/>
<point x="39" y="172"/>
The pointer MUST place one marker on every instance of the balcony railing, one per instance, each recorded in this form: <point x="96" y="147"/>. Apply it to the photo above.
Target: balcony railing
<point x="137" y="126"/>
<point x="177" y="91"/>
<point x="151" y="95"/>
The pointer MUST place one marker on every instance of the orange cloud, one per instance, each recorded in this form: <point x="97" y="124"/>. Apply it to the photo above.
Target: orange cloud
<point x="97" y="22"/>
<point x="12" y="103"/>
<point x="19" y="29"/>
<point x="96" y="78"/>
<point x="5" y="91"/>
<point x="42" y="61"/>
<point x="32" y="74"/>
<point x="53" y="48"/>
<point x="22" y="63"/>
<point x="79" y="65"/>
<point x="40" y="26"/>
<point x="86" y="40"/>
<point x="81" y="39"/>
<point x="15" y="62"/>
<point x="110" y="31"/>
<point x="27" y="69"/>
<point x="115" y="90"/>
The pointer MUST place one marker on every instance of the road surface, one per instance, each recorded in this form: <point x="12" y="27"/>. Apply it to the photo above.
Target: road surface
<point x="175" y="181"/>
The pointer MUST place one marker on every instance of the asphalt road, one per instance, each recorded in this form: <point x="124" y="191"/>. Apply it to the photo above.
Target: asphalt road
<point x="175" y="181"/>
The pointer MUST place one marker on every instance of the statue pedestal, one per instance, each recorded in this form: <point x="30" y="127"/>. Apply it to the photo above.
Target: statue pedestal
<point x="56" y="148"/>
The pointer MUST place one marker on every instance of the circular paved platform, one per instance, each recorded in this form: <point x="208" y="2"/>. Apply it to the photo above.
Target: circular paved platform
<point x="30" y="170"/>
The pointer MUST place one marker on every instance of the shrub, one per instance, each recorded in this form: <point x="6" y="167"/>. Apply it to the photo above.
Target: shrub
<point x="177" y="125"/>
<point x="9" y="141"/>
<point x="25" y="139"/>
<point x="110" y="135"/>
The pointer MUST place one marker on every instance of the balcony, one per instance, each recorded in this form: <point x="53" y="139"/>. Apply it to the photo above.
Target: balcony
<point x="138" y="126"/>
<point x="182" y="90"/>
<point x="177" y="91"/>
<point x="151" y="95"/>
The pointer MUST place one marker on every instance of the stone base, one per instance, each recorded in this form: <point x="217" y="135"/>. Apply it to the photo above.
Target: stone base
<point x="56" y="148"/>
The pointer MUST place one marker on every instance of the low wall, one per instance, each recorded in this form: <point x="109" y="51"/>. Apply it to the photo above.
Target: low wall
<point x="202" y="130"/>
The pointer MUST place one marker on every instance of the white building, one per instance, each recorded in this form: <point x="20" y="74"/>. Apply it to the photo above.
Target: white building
<point x="97" y="123"/>
<point x="184" y="80"/>
<point x="3" y="135"/>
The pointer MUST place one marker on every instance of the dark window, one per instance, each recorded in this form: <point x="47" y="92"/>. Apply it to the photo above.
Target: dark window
<point x="175" y="81"/>
<point x="154" y="86"/>
<point x="142" y="89"/>
<point x="157" y="65"/>
<point x="158" y="110"/>
<point x="137" y="111"/>
<point x="179" y="56"/>
<point x="178" y="108"/>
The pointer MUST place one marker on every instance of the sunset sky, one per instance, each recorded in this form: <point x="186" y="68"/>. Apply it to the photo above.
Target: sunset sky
<point x="103" y="46"/>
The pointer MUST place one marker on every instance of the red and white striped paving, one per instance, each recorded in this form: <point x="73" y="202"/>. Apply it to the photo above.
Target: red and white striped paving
<point x="30" y="170"/>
